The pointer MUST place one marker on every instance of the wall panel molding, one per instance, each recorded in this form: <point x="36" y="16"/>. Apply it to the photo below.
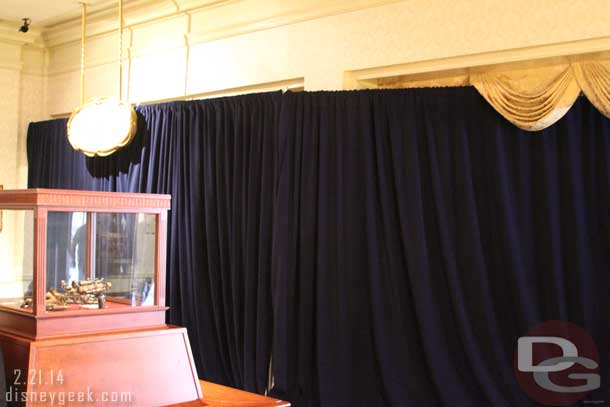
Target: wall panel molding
<point x="10" y="56"/>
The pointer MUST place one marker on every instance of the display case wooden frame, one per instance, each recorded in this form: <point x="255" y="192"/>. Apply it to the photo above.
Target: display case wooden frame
<point x="43" y="324"/>
<point x="100" y="349"/>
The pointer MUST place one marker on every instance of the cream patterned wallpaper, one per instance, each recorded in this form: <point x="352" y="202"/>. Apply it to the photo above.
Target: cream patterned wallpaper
<point x="9" y="125"/>
<point x="9" y="116"/>
<point x="21" y="101"/>
<point x="320" y="50"/>
<point x="31" y="110"/>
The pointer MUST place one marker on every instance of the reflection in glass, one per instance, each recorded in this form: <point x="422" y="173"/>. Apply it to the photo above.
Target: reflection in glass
<point x="66" y="247"/>
<point x="125" y="254"/>
<point x="17" y="259"/>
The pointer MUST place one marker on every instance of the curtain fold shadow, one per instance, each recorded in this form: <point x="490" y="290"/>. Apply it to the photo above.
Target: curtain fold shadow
<point x="216" y="158"/>
<point x="418" y="235"/>
<point x="388" y="247"/>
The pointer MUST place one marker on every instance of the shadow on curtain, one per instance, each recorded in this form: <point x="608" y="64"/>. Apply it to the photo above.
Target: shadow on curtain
<point x="217" y="160"/>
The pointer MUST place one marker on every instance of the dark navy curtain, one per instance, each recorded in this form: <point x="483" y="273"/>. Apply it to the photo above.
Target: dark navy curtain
<point x="418" y="235"/>
<point x="217" y="159"/>
<point x="393" y="245"/>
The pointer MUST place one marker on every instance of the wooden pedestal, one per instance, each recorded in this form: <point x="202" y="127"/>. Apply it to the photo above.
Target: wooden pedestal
<point x="77" y="320"/>
<point x="215" y="395"/>
<point x="141" y="367"/>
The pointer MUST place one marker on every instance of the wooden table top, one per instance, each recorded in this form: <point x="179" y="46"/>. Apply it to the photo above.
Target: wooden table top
<point x="215" y="395"/>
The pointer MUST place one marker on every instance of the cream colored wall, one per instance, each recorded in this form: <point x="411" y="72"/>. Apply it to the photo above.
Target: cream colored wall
<point x="320" y="51"/>
<point x="9" y="128"/>
<point x="21" y="101"/>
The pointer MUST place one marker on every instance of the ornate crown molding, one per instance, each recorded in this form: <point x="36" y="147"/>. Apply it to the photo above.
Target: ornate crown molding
<point x="212" y="19"/>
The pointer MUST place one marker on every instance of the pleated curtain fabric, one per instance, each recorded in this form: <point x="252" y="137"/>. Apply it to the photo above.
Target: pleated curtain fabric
<point x="418" y="237"/>
<point x="388" y="248"/>
<point x="217" y="160"/>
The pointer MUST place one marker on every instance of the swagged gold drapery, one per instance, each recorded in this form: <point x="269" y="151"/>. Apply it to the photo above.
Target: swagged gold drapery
<point x="535" y="98"/>
<point x="593" y="77"/>
<point x="531" y="100"/>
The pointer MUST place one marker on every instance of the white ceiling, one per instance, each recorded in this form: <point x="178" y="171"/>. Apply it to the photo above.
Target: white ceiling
<point x="41" y="11"/>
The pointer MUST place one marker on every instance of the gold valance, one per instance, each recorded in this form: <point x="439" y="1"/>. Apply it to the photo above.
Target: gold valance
<point x="532" y="98"/>
<point x="593" y="77"/>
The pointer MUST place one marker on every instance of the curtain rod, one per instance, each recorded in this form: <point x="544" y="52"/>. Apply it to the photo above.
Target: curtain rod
<point x="295" y="85"/>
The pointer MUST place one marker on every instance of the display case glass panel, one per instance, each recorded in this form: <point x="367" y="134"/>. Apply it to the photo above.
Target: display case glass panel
<point x="17" y="266"/>
<point x="124" y="254"/>
<point x="66" y="248"/>
<point x="92" y="255"/>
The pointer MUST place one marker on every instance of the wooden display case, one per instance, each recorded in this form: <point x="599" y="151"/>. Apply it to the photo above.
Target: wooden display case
<point x="63" y="236"/>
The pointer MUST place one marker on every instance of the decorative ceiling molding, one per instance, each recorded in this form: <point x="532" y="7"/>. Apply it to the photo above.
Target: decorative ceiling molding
<point x="103" y="20"/>
<point x="245" y="16"/>
<point x="95" y="6"/>
<point x="212" y="19"/>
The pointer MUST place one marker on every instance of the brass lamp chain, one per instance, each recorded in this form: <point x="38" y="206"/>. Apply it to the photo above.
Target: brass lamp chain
<point x="82" y="53"/>
<point x="109" y="122"/>
<point x="121" y="50"/>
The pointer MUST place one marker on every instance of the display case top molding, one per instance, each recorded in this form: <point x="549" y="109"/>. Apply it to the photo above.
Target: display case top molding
<point x="83" y="200"/>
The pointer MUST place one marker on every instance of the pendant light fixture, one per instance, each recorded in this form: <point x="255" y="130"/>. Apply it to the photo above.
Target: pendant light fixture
<point x="103" y="125"/>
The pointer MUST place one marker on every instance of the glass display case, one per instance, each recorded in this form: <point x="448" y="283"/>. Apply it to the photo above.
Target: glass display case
<point x="80" y="253"/>
<point x="82" y="291"/>
<point x="16" y="258"/>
